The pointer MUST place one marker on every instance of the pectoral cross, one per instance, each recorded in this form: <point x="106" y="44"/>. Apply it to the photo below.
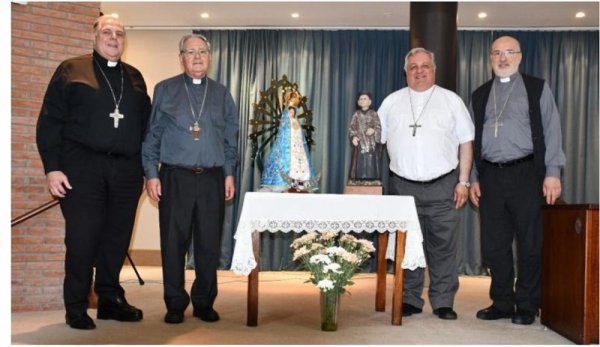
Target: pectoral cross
<point x="496" y="125"/>
<point x="195" y="129"/>
<point x="414" y="126"/>
<point x="116" y="116"/>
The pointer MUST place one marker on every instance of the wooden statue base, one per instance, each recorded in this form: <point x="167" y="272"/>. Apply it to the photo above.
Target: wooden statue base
<point x="367" y="190"/>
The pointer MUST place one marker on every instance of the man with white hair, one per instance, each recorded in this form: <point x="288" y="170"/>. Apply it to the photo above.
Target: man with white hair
<point x="190" y="156"/>
<point x="429" y="138"/>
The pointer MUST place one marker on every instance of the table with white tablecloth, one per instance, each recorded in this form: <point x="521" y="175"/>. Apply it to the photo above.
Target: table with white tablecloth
<point x="385" y="214"/>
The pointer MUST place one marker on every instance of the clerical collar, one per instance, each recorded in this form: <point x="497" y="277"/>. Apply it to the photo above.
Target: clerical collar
<point x="195" y="80"/>
<point x="103" y="61"/>
<point x="508" y="78"/>
<point x="424" y="92"/>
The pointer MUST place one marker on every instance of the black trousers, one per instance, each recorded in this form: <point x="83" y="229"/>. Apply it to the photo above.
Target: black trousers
<point x="191" y="202"/>
<point x="99" y="216"/>
<point x="511" y="206"/>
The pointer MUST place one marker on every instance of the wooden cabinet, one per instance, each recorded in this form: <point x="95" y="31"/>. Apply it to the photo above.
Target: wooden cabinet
<point x="569" y="302"/>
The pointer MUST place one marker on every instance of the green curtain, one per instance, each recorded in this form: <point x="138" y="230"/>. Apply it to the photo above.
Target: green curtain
<point x="331" y="66"/>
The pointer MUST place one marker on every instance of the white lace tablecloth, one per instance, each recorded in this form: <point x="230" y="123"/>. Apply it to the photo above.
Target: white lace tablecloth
<point x="321" y="212"/>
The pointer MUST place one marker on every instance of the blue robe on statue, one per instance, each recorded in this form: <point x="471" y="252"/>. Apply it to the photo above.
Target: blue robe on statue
<point x="289" y="154"/>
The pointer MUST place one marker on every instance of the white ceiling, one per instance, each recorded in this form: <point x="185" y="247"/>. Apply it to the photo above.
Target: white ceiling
<point x="345" y="14"/>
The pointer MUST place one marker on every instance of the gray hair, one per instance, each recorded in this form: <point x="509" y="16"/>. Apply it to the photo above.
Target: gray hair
<point x="193" y="35"/>
<point x="103" y="18"/>
<point x="415" y="51"/>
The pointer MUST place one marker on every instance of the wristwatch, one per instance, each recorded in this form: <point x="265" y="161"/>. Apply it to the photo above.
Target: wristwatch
<point x="465" y="183"/>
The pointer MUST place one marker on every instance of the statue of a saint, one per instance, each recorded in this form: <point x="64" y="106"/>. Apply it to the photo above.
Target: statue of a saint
<point x="365" y="141"/>
<point x="288" y="163"/>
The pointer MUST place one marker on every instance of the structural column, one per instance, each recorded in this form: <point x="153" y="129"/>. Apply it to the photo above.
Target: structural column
<point x="433" y="27"/>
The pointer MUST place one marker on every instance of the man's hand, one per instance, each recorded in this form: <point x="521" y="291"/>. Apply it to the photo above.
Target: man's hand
<point x="461" y="194"/>
<point x="153" y="189"/>
<point x="475" y="193"/>
<point x="355" y="141"/>
<point x="229" y="188"/>
<point x="552" y="189"/>
<point x="57" y="182"/>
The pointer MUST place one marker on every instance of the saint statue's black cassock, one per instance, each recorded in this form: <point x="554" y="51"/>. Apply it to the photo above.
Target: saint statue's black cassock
<point x="91" y="127"/>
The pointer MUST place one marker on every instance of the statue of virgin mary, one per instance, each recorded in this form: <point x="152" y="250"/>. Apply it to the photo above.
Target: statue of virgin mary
<point x="288" y="163"/>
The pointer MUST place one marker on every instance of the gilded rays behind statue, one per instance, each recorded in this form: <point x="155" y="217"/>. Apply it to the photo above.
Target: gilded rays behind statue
<point x="281" y="135"/>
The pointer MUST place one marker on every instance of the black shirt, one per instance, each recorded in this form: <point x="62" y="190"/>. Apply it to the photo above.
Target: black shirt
<point x="77" y="105"/>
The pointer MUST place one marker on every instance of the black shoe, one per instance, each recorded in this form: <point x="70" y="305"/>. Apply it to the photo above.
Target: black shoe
<point x="118" y="309"/>
<point x="409" y="310"/>
<point x="80" y="321"/>
<point x="174" y="317"/>
<point x="445" y="313"/>
<point x="492" y="313"/>
<point x="207" y="314"/>
<point x="523" y="317"/>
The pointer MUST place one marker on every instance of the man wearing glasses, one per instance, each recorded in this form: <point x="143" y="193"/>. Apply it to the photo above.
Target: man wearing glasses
<point x="518" y="157"/>
<point x="89" y="136"/>
<point x="193" y="136"/>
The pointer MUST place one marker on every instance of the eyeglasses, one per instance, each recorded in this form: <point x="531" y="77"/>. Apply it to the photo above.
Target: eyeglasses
<point x="191" y="53"/>
<point x="508" y="53"/>
<point x="110" y="33"/>
<point x="424" y="66"/>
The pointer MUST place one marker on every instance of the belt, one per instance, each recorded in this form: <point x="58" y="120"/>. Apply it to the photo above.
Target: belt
<point x="424" y="182"/>
<point x="508" y="163"/>
<point x="195" y="170"/>
<point x="115" y="155"/>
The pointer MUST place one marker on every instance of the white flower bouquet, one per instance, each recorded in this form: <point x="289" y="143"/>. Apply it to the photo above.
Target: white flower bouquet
<point x="331" y="259"/>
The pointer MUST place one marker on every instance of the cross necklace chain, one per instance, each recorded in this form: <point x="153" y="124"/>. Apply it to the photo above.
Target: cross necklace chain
<point x="195" y="128"/>
<point x="497" y="116"/>
<point x="412" y="111"/>
<point x="115" y="115"/>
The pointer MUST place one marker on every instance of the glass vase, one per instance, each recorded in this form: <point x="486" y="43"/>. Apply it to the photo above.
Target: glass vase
<point x="330" y="309"/>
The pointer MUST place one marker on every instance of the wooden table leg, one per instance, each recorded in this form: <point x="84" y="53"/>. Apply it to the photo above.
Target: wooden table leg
<point x="381" y="272"/>
<point x="398" y="279"/>
<point x="252" y="317"/>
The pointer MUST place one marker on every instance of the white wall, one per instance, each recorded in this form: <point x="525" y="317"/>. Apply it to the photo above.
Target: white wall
<point x="156" y="54"/>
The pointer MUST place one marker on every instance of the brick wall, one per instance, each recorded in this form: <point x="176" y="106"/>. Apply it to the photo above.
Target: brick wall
<point x="43" y="34"/>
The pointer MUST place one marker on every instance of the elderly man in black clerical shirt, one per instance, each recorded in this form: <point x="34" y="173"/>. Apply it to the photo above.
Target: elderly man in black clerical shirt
<point x="193" y="136"/>
<point x="518" y="157"/>
<point x="89" y="136"/>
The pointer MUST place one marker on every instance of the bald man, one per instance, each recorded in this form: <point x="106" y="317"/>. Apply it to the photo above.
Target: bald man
<point x="518" y="159"/>
<point x="89" y="136"/>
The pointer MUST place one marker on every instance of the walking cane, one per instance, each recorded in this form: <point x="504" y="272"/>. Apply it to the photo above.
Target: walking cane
<point x="135" y="270"/>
